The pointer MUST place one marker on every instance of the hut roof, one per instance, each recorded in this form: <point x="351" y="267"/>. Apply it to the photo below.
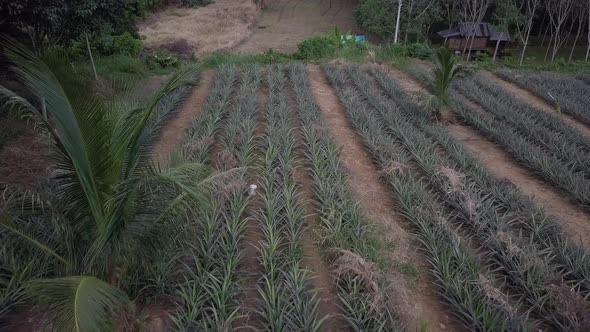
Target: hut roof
<point x="481" y="29"/>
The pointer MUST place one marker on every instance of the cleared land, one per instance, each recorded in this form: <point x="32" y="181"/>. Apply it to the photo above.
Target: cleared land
<point x="285" y="23"/>
<point x="219" y="26"/>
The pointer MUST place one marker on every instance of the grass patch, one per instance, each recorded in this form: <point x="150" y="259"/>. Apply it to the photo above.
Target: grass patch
<point x="125" y="68"/>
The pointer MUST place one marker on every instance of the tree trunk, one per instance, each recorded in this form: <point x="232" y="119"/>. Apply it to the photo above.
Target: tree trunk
<point x="548" y="48"/>
<point x="526" y="41"/>
<point x="91" y="58"/>
<point x="399" y="12"/>
<point x="576" y="39"/>
<point x="545" y="36"/>
<point x="496" y="50"/>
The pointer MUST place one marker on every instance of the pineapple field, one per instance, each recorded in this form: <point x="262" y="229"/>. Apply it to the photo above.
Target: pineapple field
<point x="330" y="198"/>
<point x="347" y="207"/>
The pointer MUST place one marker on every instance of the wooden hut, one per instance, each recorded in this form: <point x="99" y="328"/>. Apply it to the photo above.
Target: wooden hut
<point x="484" y="35"/>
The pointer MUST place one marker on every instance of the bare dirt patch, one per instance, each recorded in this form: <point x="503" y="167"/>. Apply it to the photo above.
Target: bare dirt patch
<point x="285" y="23"/>
<point x="537" y="102"/>
<point x="414" y="297"/>
<point x="218" y="26"/>
<point x="173" y="133"/>
<point x="24" y="161"/>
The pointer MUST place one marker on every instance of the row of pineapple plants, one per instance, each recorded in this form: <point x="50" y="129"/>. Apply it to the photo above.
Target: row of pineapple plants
<point x="568" y="95"/>
<point x="344" y="230"/>
<point x="542" y="229"/>
<point x="546" y="131"/>
<point x="464" y="282"/>
<point x="287" y="302"/>
<point x="530" y="153"/>
<point x="209" y="287"/>
<point x="528" y="268"/>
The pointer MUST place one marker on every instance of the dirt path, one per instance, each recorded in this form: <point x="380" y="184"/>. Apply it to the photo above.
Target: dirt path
<point x="173" y="134"/>
<point x="501" y="165"/>
<point x="414" y="296"/>
<point x="575" y="222"/>
<point x="253" y="233"/>
<point x="537" y="102"/>
<point x="321" y="277"/>
<point x="285" y="23"/>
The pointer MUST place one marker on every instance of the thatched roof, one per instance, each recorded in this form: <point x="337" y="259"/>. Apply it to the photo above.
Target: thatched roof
<point x="481" y="29"/>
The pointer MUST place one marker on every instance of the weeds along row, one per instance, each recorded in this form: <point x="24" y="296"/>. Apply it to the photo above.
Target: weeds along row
<point x="568" y="94"/>
<point x="344" y="231"/>
<point x="210" y="279"/>
<point x="530" y="220"/>
<point x="526" y="268"/>
<point x="462" y="281"/>
<point x="528" y="146"/>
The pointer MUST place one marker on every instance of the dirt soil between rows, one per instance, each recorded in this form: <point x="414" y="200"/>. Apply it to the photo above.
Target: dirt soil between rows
<point x="285" y="23"/>
<point x="414" y="296"/>
<point x="173" y="134"/>
<point x="537" y="102"/>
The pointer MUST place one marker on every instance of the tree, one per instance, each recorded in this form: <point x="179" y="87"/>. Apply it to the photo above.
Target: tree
<point x="579" y="14"/>
<point x="111" y="207"/>
<point x="399" y="13"/>
<point x="559" y="12"/>
<point x="419" y="15"/>
<point x="521" y="15"/>
<point x="444" y="71"/>
<point x="473" y="12"/>
<point x="65" y="20"/>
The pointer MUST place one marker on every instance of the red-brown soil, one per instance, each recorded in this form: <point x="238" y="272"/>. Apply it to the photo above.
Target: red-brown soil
<point x="322" y="279"/>
<point x="537" y="102"/>
<point x="414" y="297"/>
<point x="173" y="134"/>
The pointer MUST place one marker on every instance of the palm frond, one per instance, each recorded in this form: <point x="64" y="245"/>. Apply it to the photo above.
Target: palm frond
<point x="30" y="240"/>
<point x="79" y="303"/>
<point x="65" y="126"/>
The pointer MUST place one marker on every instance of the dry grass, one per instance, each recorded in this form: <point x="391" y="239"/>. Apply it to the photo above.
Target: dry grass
<point x="219" y="26"/>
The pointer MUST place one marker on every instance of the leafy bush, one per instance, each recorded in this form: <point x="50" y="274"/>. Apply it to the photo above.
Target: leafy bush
<point x="162" y="58"/>
<point x="419" y="50"/>
<point x="316" y="48"/>
<point x="127" y="45"/>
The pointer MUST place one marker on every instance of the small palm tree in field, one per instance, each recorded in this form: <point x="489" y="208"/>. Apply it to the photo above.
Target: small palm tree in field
<point x="110" y="207"/>
<point x="444" y="71"/>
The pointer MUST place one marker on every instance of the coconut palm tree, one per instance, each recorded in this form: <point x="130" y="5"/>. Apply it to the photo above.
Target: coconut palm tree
<point x="444" y="71"/>
<point x="110" y="206"/>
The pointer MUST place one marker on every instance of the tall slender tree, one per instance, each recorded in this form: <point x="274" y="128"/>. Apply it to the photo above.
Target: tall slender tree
<point x="559" y="12"/>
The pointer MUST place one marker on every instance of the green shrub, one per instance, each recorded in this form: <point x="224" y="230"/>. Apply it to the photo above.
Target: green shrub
<point x="121" y="67"/>
<point x="419" y="50"/>
<point x="376" y="16"/>
<point x="316" y="48"/>
<point x="127" y="45"/>
<point x="163" y="59"/>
